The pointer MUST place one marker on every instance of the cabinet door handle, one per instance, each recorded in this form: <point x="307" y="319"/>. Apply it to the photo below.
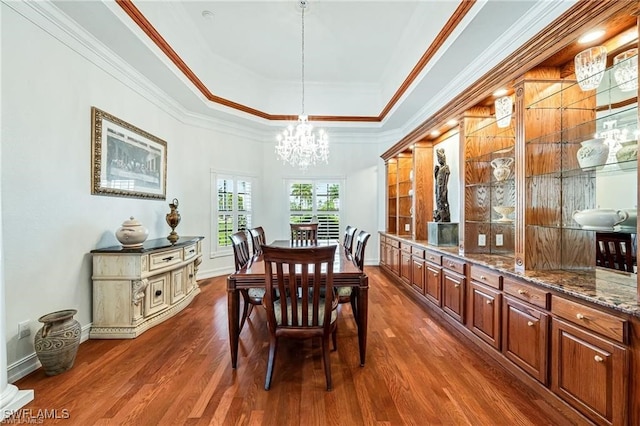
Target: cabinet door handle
<point x="456" y="285"/>
<point x="158" y="292"/>
<point x="598" y="358"/>
<point x="450" y="265"/>
<point x="435" y="274"/>
<point x="167" y="259"/>
<point x="530" y="323"/>
<point x="580" y="316"/>
<point x="192" y="251"/>
<point x="431" y="258"/>
<point x="521" y="291"/>
<point x="419" y="266"/>
<point x="489" y="302"/>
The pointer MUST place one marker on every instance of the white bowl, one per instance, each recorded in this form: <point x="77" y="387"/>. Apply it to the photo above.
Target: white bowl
<point x="504" y="211"/>
<point x="600" y="219"/>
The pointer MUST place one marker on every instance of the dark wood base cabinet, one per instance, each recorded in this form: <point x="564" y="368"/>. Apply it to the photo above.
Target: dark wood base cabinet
<point x="525" y="338"/>
<point x="590" y="373"/>
<point x="574" y="353"/>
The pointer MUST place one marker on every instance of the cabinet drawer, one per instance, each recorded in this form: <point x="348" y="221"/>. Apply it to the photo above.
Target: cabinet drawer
<point x="190" y="251"/>
<point x="486" y="276"/>
<point x="531" y="294"/>
<point x="393" y="243"/>
<point x="433" y="257"/>
<point x="417" y="252"/>
<point x="405" y="247"/>
<point x="454" y="264"/>
<point x="165" y="258"/>
<point x="590" y="318"/>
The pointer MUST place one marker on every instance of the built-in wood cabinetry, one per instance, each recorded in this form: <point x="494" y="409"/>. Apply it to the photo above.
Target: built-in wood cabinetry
<point x="579" y="350"/>
<point x="410" y="191"/>
<point x="487" y="148"/>
<point x="135" y="289"/>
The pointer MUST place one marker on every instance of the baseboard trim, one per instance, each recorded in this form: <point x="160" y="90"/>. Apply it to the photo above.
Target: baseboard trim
<point x="31" y="363"/>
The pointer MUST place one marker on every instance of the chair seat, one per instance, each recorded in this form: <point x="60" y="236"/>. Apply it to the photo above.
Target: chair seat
<point x="256" y="293"/>
<point x="277" y="303"/>
<point x="344" y="291"/>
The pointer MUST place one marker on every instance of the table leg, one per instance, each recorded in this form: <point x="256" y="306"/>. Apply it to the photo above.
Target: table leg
<point x="233" y="314"/>
<point x="363" y="306"/>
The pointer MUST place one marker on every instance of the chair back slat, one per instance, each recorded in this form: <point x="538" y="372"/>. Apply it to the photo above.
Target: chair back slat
<point x="304" y="234"/>
<point x="349" y="235"/>
<point x="241" y="253"/>
<point x="258" y="239"/>
<point x="361" y="245"/>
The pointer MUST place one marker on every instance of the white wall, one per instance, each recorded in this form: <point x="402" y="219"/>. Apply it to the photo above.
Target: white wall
<point x="50" y="220"/>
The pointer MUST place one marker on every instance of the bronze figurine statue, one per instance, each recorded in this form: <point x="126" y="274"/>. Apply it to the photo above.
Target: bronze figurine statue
<point x="441" y="213"/>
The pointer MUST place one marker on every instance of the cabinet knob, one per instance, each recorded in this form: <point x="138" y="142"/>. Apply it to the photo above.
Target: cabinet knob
<point x="450" y="264"/>
<point x="456" y="285"/>
<point x="190" y="275"/>
<point x="521" y="291"/>
<point x="435" y="274"/>
<point x="598" y="358"/>
<point x="482" y="277"/>
<point x="158" y="292"/>
<point x="489" y="302"/>
<point x="419" y="266"/>
<point x="530" y="323"/>
<point x="431" y="258"/>
<point x="580" y="316"/>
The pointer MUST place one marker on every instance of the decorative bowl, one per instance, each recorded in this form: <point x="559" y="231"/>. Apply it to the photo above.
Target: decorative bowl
<point x="600" y="219"/>
<point x="504" y="211"/>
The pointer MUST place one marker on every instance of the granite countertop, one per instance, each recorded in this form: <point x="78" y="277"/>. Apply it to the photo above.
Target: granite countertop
<point x="606" y="287"/>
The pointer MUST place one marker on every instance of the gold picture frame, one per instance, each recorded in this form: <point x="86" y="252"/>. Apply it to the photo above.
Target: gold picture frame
<point x="125" y="160"/>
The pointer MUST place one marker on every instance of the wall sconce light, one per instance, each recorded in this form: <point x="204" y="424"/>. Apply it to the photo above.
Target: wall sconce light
<point x="504" y="110"/>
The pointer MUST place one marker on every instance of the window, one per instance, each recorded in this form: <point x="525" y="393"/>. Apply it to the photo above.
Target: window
<point x="232" y="207"/>
<point x="316" y="201"/>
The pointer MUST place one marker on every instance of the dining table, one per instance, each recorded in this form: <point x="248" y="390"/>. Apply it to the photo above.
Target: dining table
<point x="345" y="274"/>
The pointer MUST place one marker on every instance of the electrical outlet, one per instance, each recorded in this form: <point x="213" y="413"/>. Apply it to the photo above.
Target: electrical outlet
<point x="482" y="240"/>
<point x="407" y="227"/>
<point x="499" y="240"/>
<point x="23" y="329"/>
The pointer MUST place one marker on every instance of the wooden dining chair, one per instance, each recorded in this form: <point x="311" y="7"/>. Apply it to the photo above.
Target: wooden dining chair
<point x="305" y="311"/>
<point x="258" y="239"/>
<point x="349" y="235"/>
<point x="304" y="234"/>
<point x="350" y="294"/>
<point x="614" y="250"/>
<point x="242" y="256"/>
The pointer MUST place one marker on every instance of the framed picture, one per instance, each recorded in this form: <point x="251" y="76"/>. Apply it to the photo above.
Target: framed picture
<point x="126" y="161"/>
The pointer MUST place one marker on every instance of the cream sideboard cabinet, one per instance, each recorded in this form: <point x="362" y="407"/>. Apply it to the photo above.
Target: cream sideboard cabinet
<point x="135" y="289"/>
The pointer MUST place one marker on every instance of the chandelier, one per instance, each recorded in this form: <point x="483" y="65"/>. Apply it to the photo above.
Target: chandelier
<point x="300" y="146"/>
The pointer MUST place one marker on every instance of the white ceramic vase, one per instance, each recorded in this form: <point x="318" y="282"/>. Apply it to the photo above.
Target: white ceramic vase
<point x="132" y="234"/>
<point x="502" y="167"/>
<point x="627" y="156"/>
<point x="600" y="219"/>
<point x="593" y="154"/>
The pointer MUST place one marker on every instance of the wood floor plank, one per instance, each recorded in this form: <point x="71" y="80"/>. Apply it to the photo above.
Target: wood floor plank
<point x="417" y="372"/>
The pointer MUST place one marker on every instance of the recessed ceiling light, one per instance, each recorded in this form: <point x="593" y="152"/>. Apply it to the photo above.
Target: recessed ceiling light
<point x="500" y="92"/>
<point x="435" y="133"/>
<point x="207" y="15"/>
<point x="452" y="122"/>
<point x="591" y="36"/>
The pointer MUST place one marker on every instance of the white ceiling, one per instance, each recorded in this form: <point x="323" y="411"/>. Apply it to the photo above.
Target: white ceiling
<point x="357" y="54"/>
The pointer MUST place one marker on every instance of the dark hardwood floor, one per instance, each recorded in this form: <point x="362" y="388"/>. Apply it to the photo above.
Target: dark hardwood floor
<point x="417" y="373"/>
